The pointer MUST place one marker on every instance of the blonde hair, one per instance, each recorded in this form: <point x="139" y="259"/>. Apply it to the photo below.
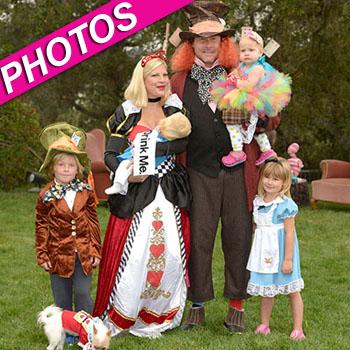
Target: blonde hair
<point x="176" y="126"/>
<point x="57" y="157"/>
<point x="136" y="91"/>
<point x="279" y="168"/>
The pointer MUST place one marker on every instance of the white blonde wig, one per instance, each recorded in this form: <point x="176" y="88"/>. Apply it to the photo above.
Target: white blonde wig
<point x="136" y="91"/>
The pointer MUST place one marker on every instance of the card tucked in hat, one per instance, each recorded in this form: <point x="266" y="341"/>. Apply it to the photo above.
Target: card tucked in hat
<point x="62" y="137"/>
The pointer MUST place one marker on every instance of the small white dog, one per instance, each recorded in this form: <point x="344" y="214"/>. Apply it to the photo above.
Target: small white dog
<point x="93" y="334"/>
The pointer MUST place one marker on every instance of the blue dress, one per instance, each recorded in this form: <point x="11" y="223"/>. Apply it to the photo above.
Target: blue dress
<point x="270" y="216"/>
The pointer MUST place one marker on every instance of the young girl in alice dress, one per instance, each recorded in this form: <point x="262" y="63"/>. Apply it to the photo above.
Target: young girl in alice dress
<point x="274" y="258"/>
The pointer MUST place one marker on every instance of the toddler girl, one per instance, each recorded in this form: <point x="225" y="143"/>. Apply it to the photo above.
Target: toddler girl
<point x="255" y="87"/>
<point x="67" y="235"/>
<point x="274" y="258"/>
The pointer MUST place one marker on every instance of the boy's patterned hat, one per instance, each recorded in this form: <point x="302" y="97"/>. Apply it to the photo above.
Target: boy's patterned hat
<point x="62" y="137"/>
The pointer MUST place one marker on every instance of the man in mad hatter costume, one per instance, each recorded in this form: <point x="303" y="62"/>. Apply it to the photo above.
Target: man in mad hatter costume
<point x="207" y="51"/>
<point x="67" y="235"/>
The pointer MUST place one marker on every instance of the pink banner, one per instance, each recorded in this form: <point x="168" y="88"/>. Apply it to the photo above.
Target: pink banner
<point x="77" y="41"/>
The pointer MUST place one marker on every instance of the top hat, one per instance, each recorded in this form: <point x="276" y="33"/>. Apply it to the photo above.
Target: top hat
<point x="62" y="137"/>
<point x="205" y="18"/>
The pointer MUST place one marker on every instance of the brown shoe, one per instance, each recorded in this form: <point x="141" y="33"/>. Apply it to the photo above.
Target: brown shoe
<point x="195" y="317"/>
<point x="234" y="320"/>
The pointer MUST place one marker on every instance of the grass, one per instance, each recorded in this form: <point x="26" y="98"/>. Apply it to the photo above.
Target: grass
<point x="325" y="249"/>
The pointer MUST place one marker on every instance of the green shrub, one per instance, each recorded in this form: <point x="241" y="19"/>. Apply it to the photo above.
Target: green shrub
<point x="20" y="149"/>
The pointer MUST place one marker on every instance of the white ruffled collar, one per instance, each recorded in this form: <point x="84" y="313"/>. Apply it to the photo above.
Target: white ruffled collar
<point x="172" y="101"/>
<point x="130" y="108"/>
<point x="259" y="201"/>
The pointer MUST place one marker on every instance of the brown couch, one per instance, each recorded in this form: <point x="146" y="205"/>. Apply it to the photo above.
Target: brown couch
<point x="334" y="185"/>
<point x="95" y="148"/>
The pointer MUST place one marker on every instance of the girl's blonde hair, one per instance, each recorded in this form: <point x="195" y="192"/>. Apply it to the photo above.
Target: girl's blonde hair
<point x="57" y="157"/>
<point x="136" y="91"/>
<point x="279" y="168"/>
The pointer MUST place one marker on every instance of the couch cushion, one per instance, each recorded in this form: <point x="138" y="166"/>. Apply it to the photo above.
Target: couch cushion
<point x="332" y="190"/>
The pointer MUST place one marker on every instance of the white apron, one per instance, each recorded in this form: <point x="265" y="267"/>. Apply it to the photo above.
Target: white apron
<point x="264" y="254"/>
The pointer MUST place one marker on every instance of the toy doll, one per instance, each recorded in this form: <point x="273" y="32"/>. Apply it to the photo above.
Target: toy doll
<point x="295" y="163"/>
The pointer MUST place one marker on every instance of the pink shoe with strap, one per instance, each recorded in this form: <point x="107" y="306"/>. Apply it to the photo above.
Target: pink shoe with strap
<point x="263" y="329"/>
<point x="231" y="160"/>
<point x="270" y="153"/>
<point x="297" y="335"/>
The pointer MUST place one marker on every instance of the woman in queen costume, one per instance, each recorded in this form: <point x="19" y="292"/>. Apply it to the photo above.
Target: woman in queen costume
<point x="142" y="278"/>
<point x="255" y="87"/>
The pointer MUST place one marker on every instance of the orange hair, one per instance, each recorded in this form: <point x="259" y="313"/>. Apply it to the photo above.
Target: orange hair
<point x="183" y="57"/>
<point x="229" y="53"/>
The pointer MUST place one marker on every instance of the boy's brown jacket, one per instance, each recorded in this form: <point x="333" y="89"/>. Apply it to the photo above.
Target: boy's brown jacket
<point x="61" y="233"/>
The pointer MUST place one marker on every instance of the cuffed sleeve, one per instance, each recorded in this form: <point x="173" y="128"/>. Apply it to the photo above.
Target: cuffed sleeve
<point x="286" y="209"/>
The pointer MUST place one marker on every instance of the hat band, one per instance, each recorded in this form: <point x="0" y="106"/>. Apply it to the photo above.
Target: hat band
<point x="64" y="142"/>
<point x="207" y="27"/>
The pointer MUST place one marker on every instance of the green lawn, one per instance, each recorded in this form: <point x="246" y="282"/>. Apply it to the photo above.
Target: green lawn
<point x="324" y="237"/>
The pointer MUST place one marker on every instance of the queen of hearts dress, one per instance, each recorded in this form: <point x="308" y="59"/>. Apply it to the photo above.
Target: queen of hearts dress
<point x="142" y="277"/>
<point x="267" y="253"/>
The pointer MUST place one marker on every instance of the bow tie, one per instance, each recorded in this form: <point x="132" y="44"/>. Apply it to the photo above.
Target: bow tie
<point x="58" y="191"/>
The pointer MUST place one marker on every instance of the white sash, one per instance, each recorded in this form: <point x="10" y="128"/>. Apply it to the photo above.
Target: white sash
<point x="145" y="153"/>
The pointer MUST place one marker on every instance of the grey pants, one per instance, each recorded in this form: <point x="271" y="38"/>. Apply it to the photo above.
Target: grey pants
<point x="223" y="197"/>
<point x="78" y="284"/>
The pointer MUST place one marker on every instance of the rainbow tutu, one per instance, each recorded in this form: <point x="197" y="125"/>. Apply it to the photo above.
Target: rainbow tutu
<point x="269" y="97"/>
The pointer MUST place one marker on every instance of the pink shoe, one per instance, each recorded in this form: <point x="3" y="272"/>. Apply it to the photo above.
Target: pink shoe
<point x="263" y="329"/>
<point x="270" y="153"/>
<point x="297" y="335"/>
<point x="231" y="160"/>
